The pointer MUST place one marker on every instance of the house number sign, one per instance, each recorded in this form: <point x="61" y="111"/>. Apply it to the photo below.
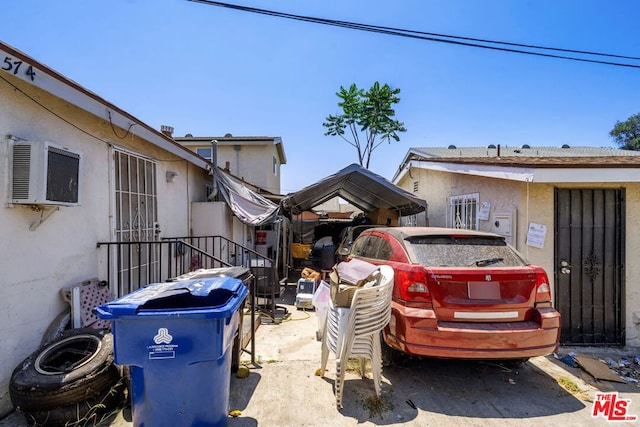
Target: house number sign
<point x="15" y="66"/>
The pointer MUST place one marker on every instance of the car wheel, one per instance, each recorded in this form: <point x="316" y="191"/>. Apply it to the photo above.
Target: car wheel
<point x="71" y="369"/>
<point x="390" y="356"/>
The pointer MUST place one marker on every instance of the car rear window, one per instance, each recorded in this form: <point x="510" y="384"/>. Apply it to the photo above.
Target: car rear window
<point x="454" y="251"/>
<point x="374" y="247"/>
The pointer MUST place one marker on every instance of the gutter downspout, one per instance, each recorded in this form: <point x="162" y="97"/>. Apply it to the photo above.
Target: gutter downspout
<point x="214" y="169"/>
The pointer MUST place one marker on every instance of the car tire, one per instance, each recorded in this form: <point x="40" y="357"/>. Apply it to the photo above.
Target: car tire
<point x="87" y="412"/>
<point x="390" y="356"/>
<point x="61" y="323"/>
<point x="71" y="369"/>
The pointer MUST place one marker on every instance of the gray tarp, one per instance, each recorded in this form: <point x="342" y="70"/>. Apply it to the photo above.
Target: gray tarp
<point x="250" y="207"/>
<point x="358" y="185"/>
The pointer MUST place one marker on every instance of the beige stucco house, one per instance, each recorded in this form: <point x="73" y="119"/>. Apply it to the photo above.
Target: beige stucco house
<point x="572" y="210"/>
<point x="76" y="170"/>
<point x="254" y="159"/>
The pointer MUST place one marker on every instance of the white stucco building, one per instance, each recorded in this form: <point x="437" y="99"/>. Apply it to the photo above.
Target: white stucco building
<point x="571" y="210"/>
<point x="255" y="159"/>
<point x="110" y="178"/>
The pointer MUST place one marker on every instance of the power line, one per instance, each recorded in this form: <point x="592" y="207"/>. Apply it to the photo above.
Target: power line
<point x="434" y="37"/>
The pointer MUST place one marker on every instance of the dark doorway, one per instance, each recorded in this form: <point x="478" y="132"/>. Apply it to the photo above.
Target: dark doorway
<point x="589" y="265"/>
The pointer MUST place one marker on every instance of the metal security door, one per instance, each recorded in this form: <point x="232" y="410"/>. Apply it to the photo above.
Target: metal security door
<point x="589" y="265"/>
<point x="136" y="216"/>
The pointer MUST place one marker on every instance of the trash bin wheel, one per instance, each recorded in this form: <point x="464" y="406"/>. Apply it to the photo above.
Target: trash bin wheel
<point x="71" y="369"/>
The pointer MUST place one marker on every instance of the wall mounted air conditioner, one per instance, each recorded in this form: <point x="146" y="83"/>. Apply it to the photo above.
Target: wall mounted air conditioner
<point x="44" y="173"/>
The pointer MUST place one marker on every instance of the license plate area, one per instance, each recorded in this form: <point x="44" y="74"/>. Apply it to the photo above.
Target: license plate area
<point x="484" y="290"/>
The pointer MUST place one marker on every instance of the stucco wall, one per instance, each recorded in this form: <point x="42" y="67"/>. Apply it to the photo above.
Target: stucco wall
<point x="62" y="251"/>
<point x="211" y="219"/>
<point x="253" y="163"/>
<point x="437" y="187"/>
<point x="632" y="273"/>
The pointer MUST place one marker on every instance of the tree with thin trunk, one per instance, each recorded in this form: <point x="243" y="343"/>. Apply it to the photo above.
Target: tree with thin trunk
<point x="627" y="134"/>
<point x="367" y="119"/>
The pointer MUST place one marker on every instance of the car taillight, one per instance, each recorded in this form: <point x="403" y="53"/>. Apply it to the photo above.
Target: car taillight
<point x="411" y="284"/>
<point x="543" y="290"/>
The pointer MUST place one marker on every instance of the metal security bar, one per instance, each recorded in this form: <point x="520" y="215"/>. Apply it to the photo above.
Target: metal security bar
<point x="131" y="265"/>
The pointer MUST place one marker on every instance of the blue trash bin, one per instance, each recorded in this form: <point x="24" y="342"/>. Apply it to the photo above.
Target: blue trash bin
<point x="177" y="338"/>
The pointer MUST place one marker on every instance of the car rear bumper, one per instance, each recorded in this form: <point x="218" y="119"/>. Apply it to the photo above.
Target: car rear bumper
<point x="417" y="332"/>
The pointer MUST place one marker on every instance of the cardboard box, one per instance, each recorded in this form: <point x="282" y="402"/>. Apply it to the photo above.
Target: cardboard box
<point x="342" y="294"/>
<point x="300" y="250"/>
<point x="348" y="276"/>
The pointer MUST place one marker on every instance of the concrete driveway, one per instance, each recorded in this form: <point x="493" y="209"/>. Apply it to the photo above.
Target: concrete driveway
<point x="282" y="389"/>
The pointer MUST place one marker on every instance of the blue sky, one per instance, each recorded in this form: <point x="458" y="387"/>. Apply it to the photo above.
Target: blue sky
<point x="209" y="71"/>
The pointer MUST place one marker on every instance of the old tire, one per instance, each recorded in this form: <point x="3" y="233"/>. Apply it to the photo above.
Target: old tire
<point x="61" y="323"/>
<point x="71" y="369"/>
<point x="88" y="412"/>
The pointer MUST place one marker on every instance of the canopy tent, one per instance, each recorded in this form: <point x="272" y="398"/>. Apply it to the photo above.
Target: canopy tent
<point x="248" y="206"/>
<point x="358" y="185"/>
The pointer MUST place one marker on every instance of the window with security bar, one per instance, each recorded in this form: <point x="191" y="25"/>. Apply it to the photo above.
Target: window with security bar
<point x="463" y="211"/>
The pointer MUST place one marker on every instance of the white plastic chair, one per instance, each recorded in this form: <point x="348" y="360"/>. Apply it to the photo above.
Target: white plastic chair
<point x="355" y="331"/>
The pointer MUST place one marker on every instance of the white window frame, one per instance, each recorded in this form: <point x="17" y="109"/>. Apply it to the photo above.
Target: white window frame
<point x="463" y="211"/>
<point x="209" y="150"/>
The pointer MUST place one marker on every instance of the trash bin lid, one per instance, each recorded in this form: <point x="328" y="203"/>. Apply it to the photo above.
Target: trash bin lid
<point x="215" y="297"/>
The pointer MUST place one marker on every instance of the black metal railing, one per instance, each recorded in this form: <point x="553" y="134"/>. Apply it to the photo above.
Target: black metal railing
<point x="131" y="265"/>
<point x="224" y="249"/>
<point x="266" y="275"/>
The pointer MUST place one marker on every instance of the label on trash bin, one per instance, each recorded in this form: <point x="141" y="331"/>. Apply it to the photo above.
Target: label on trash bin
<point x="162" y="349"/>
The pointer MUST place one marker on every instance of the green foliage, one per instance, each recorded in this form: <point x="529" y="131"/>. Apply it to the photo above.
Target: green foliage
<point x="627" y="134"/>
<point x="368" y="117"/>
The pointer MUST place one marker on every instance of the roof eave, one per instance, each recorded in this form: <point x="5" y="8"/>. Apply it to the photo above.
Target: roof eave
<point x="56" y="84"/>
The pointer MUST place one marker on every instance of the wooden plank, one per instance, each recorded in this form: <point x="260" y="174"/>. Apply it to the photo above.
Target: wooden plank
<point x="597" y="369"/>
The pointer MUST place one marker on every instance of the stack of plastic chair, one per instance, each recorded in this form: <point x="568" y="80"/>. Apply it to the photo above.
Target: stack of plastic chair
<point x="355" y="332"/>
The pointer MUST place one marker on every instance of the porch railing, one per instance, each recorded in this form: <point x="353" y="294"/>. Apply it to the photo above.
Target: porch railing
<point x="131" y="265"/>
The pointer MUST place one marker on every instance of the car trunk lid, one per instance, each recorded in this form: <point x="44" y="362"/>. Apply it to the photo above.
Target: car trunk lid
<point x="496" y="294"/>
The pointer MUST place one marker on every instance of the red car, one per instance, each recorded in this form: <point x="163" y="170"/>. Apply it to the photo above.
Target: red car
<point x="461" y="294"/>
